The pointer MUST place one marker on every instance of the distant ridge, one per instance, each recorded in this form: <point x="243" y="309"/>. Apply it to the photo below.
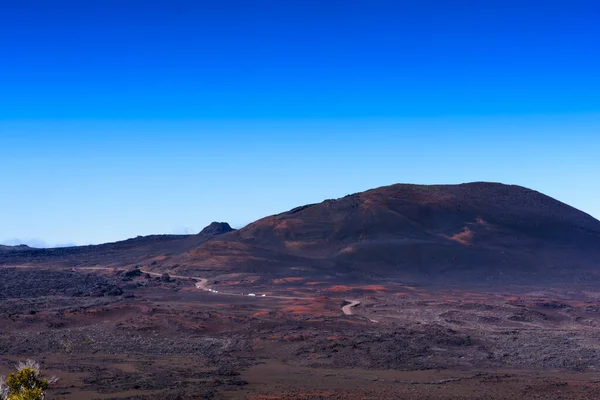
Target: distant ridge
<point x="18" y="247"/>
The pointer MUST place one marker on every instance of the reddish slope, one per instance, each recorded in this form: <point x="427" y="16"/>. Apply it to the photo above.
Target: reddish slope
<point x="473" y="231"/>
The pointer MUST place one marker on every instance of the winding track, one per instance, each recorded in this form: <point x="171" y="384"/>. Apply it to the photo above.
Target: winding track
<point x="203" y="285"/>
<point x="203" y="282"/>
<point x="347" y="309"/>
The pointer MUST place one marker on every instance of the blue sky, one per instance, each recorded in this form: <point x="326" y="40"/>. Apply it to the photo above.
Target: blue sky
<point x="120" y="118"/>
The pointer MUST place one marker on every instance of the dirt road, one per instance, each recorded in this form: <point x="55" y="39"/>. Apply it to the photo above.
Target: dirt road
<point x="347" y="309"/>
<point x="203" y="285"/>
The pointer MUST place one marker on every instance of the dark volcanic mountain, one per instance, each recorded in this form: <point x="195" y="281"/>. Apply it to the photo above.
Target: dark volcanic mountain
<point x="475" y="232"/>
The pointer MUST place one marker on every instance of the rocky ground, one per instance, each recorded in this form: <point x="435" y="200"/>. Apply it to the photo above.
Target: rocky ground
<point x="125" y="334"/>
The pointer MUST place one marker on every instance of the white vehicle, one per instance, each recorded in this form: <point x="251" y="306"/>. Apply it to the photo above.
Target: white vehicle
<point x="216" y="291"/>
<point x="263" y="295"/>
<point x="252" y="294"/>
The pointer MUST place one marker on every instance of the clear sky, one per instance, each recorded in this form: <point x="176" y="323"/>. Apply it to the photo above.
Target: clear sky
<point x="124" y="118"/>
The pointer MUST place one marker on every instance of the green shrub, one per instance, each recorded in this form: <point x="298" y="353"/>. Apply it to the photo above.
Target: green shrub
<point x="25" y="384"/>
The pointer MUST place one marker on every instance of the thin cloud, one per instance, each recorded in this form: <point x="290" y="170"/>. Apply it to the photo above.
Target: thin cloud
<point x="184" y="230"/>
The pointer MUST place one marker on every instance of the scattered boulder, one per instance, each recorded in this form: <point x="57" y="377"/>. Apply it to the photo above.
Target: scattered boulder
<point x="133" y="273"/>
<point x="113" y="291"/>
<point x="553" y="305"/>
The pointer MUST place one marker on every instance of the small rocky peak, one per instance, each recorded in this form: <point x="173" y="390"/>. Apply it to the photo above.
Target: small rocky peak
<point x="216" y="228"/>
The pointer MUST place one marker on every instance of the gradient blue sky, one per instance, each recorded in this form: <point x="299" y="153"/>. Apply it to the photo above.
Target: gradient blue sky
<point x="125" y="118"/>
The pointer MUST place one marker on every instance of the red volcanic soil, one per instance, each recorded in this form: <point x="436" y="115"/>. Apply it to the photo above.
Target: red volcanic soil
<point x="365" y="289"/>
<point x="291" y="279"/>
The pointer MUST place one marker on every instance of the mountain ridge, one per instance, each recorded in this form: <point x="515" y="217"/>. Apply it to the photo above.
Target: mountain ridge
<point x="478" y="231"/>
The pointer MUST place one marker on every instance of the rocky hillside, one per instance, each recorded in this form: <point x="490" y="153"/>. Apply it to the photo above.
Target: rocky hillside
<point x="475" y="231"/>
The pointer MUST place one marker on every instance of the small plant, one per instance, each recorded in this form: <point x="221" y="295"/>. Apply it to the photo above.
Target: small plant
<point x="25" y="384"/>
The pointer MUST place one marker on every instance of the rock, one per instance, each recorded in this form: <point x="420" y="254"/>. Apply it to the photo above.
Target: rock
<point x="165" y="277"/>
<point x="73" y="292"/>
<point x="133" y="272"/>
<point x="114" y="291"/>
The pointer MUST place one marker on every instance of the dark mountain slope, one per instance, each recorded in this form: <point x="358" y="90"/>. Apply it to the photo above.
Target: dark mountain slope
<point x="476" y="231"/>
